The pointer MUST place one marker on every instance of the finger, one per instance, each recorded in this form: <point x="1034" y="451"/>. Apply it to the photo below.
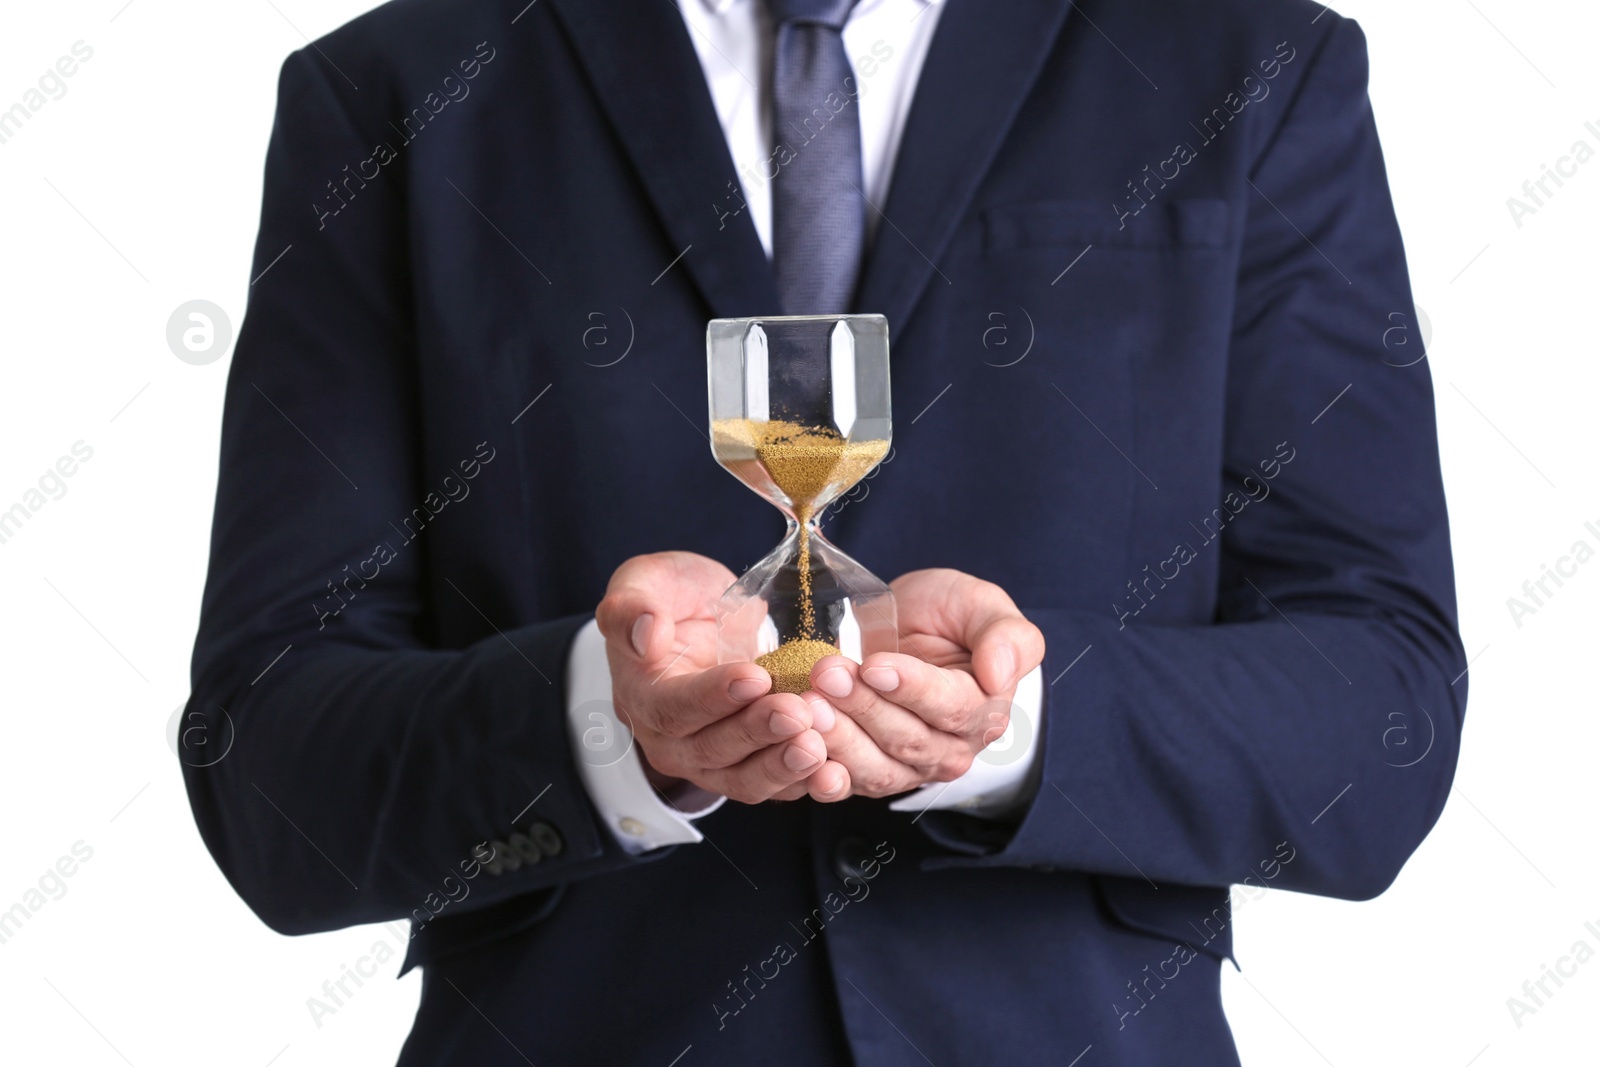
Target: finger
<point x="771" y="719"/>
<point x="680" y="705"/>
<point x="871" y="771"/>
<point x="793" y="792"/>
<point x="829" y="784"/>
<point x="944" y="699"/>
<point x="900" y="733"/>
<point x="771" y="770"/>
<point x="648" y="595"/>
<point x="1004" y="650"/>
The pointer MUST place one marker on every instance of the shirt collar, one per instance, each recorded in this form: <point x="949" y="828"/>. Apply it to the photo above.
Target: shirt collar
<point x="721" y="7"/>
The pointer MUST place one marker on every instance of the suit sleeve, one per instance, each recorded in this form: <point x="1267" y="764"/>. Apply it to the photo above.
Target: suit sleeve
<point x="1323" y="706"/>
<point x="341" y="767"/>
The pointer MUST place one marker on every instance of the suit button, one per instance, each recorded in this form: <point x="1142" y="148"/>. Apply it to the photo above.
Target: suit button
<point x="524" y="849"/>
<point x="542" y="841"/>
<point x="851" y="859"/>
<point x="547" y="838"/>
<point x="504" y="858"/>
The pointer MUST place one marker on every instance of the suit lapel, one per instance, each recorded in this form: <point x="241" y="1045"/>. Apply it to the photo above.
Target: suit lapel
<point x="979" y="70"/>
<point x="648" y="78"/>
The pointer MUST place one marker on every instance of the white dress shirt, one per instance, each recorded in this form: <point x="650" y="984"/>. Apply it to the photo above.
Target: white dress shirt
<point x="887" y="41"/>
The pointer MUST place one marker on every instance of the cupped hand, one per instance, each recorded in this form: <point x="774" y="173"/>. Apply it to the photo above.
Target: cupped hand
<point x="714" y="726"/>
<point x="923" y="714"/>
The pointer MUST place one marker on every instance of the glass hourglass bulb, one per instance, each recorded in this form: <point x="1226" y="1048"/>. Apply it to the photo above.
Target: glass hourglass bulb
<point x="800" y="413"/>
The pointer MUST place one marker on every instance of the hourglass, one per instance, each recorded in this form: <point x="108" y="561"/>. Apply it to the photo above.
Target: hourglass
<point x="800" y="413"/>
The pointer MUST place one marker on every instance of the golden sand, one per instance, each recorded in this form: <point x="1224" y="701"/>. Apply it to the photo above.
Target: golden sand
<point x="804" y="462"/>
<point x="791" y="662"/>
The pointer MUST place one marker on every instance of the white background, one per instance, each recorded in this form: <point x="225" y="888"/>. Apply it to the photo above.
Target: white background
<point x="138" y="191"/>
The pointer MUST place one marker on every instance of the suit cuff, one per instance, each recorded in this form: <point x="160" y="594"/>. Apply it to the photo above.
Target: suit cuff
<point x="1004" y="776"/>
<point x="609" y="763"/>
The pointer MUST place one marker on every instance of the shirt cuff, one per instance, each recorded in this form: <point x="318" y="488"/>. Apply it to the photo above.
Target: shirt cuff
<point x="610" y="764"/>
<point x="1002" y="778"/>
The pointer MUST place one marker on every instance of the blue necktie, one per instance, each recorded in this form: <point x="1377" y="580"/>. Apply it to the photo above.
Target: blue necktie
<point x="818" y="214"/>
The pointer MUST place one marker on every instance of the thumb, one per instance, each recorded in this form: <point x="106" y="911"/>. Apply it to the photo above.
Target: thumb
<point x="1003" y="643"/>
<point x="1005" y="648"/>
<point x="649" y="595"/>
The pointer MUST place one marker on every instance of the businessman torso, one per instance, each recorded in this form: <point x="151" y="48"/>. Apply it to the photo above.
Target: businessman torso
<point x="544" y="214"/>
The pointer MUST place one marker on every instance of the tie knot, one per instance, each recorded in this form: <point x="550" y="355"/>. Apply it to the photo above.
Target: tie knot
<point x="830" y="13"/>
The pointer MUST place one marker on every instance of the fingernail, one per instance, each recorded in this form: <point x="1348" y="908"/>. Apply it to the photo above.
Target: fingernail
<point x="822" y="716"/>
<point x="745" y="690"/>
<point x="641" y="633"/>
<point x="1006" y="661"/>
<point x="883" y="679"/>
<point x="783" y="725"/>
<point x="835" y="791"/>
<point x="835" y="681"/>
<point x="798" y="759"/>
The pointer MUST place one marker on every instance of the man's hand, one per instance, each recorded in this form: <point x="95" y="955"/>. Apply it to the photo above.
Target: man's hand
<point x="923" y="714"/>
<point x="711" y="725"/>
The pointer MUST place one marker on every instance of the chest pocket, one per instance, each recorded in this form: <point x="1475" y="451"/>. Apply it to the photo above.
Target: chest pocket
<point x="1068" y="223"/>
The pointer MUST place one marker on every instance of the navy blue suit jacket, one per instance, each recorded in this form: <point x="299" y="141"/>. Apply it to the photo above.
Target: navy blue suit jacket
<point x="1159" y="330"/>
